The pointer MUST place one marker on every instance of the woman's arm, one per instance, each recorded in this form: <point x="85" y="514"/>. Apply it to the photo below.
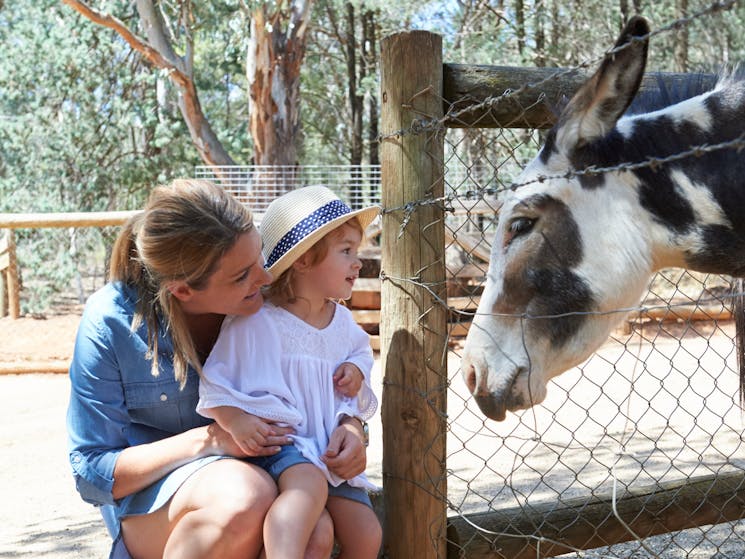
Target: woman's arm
<point x="139" y="466"/>
<point x="345" y="455"/>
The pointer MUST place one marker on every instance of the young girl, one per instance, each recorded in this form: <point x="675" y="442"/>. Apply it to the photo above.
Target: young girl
<point x="312" y="372"/>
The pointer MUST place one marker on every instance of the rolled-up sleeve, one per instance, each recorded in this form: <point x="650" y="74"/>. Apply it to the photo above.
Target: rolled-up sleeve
<point x="97" y="417"/>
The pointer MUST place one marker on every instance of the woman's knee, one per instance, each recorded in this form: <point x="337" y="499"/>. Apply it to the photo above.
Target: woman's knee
<point x="235" y="494"/>
<point x="243" y="501"/>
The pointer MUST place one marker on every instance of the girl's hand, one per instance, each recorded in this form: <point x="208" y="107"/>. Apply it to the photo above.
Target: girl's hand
<point x="348" y="379"/>
<point x="345" y="455"/>
<point x="237" y="433"/>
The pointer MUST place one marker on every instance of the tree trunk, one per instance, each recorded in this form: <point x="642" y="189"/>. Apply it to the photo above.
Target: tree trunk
<point x="370" y="50"/>
<point x="540" y="33"/>
<point x="520" y="25"/>
<point x="681" y="38"/>
<point x="275" y="55"/>
<point x="356" y="107"/>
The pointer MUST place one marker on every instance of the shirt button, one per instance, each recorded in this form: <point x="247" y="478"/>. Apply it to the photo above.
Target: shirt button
<point x="163" y="397"/>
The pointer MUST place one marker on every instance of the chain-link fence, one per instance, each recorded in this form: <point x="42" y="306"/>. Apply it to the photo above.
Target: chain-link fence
<point x="638" y="452"/>
<point x="258" y="185"/>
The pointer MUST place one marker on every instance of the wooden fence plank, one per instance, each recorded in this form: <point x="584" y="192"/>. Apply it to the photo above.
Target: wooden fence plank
<point x="586" y="523"/>
<point x="62" y="219"/>
<point x="467" y="87"/>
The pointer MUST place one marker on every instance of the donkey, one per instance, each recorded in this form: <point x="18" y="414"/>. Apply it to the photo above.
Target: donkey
<point x="573" y="249"/>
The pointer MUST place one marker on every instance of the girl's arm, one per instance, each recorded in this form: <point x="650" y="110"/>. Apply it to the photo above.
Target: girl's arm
<point x="253" y="435"/>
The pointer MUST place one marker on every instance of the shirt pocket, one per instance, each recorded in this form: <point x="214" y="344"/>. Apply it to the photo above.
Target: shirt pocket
<point x="161" y="404"/>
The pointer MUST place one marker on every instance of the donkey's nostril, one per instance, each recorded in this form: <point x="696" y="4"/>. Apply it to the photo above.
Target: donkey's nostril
<point x="469" y="373"/>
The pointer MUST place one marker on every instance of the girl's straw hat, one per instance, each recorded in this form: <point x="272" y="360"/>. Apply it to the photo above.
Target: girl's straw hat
<point x="295" y="221"/>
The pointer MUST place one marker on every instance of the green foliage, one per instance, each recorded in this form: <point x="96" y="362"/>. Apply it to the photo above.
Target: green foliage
<point x="86" y="125"/>
<point x="81" y="128"/>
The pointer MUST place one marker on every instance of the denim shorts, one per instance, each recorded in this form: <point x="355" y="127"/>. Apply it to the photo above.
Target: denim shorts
<point x="290" y="456"/>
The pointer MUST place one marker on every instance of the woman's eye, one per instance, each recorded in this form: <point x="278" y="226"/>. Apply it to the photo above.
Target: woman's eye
<point x="242" y="277"/>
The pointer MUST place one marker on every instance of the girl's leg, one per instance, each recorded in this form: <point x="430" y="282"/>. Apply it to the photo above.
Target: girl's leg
<point x="303" y="490"/>
<point x="217" y="513"/>
<point x="357" y="528"/>
<point x="321" y="542"/>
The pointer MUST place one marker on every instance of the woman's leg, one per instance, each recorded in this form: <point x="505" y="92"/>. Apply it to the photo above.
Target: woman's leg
<point x="357" y="528"/>
<point x="303" y="490"/>
<point x="217" y="513"/>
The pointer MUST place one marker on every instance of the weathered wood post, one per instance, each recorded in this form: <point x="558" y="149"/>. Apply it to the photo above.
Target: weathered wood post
<point x="9" y="284"/>
<point x="4" y="260"/>
<point x="413" y="323"/>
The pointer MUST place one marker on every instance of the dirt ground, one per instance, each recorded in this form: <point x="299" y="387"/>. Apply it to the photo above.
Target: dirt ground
<point x="41" y="514"/>
<point x="29" y="342"/>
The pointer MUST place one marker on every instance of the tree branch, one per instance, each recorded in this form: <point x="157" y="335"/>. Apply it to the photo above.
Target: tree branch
<point x="148" y="52"/>
<point x="162" y="55"/>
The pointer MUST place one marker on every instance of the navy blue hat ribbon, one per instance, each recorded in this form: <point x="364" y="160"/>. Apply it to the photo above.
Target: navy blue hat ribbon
<point x="321" y="216"/>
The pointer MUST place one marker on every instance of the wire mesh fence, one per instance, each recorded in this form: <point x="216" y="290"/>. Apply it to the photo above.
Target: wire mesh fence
<point x="655" y="407"/>
<point x="258" y="185"/>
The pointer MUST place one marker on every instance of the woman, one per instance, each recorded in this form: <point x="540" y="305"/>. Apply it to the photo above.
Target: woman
<point x="137" y="446"/>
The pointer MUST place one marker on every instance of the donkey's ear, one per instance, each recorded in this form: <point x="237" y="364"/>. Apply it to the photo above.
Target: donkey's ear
<point x="601" y="101"/>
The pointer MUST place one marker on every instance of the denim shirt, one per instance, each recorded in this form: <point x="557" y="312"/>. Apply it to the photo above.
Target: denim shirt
<point x="115" y="400"/>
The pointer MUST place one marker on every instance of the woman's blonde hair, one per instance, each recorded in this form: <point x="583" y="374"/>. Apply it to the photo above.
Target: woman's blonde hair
<point x="184" y="230"/>
<point x="282" y="288"/>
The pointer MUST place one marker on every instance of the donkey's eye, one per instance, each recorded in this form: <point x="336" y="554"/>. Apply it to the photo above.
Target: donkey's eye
<point x="518" y="226"/>
<point x="521" y="225"/>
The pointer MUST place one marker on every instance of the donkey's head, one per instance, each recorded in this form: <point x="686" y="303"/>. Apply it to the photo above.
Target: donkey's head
<point x="568" y="251"/>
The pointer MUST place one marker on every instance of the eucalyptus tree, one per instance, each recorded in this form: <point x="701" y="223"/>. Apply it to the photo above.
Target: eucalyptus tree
<point x="81" y="123"/>
<point x="167" y="36"/>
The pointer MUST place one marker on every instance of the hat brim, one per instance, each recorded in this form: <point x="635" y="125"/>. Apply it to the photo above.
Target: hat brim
<point x="365" y="216"/>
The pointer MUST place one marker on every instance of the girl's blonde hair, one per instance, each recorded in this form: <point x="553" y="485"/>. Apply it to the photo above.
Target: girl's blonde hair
<point x="184" y="230"/>
<point x="282" y="288"/>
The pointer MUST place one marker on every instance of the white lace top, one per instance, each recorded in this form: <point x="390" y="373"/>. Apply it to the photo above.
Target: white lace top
<point x="274" y="365"/>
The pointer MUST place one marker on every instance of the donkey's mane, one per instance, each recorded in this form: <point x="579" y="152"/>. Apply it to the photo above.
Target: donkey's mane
<point x="668" y="93"/>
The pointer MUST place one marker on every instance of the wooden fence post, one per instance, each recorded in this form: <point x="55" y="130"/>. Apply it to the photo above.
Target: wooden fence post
<point x="4" y="261"/>
<point x="413" y="322"/>
<point x="9" y="269"/>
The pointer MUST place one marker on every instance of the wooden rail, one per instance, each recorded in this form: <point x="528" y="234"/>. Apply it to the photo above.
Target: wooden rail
<point x="64" y="219"/>
<point x="476" y="96"/>
<point x="10" y="289"/>
<point x="547" y="530"/>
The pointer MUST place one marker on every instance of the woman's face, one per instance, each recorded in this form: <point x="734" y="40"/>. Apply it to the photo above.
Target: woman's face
<point x="235" y="286"/>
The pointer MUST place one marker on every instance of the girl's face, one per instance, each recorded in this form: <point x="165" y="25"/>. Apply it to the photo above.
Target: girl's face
<point x="334" y="276"/>
<point x="235" y="286"/>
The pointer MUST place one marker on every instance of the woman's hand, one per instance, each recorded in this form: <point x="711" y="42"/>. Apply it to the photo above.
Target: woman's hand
<point x="237" y="433"/>
<point x="345" y="455"/>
